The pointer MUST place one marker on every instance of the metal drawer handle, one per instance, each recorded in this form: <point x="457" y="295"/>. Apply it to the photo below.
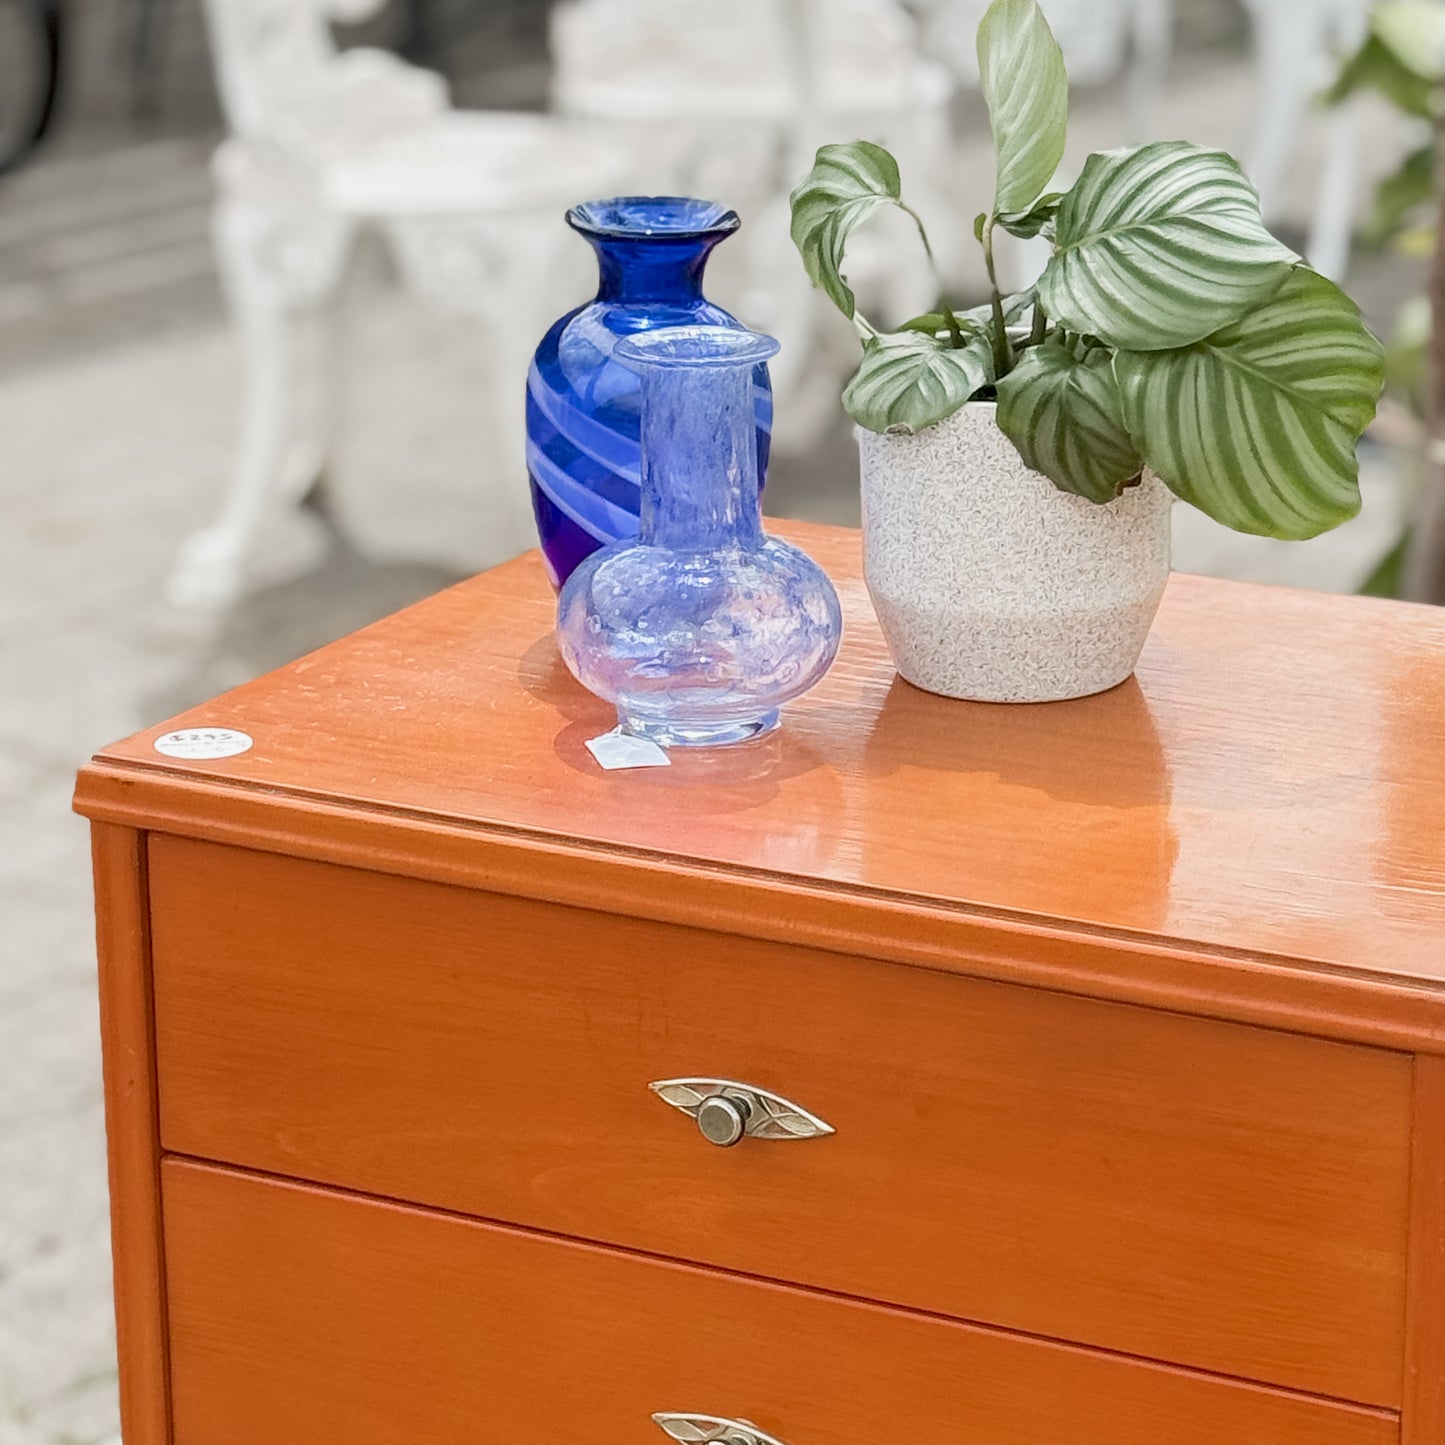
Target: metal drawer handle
<point x="727" y="1112"/>
<point x="712" y="1430"/>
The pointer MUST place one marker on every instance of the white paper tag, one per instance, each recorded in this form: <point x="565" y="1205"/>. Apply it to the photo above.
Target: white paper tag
<point x="196" y="743"/>
<point x="621" y="750"/>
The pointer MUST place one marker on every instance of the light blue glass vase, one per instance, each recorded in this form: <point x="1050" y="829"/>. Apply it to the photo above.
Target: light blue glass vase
<point x="701" y="627"/>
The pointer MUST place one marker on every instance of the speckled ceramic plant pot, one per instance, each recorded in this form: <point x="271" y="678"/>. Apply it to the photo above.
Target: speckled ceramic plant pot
<point x="993" y="585"/>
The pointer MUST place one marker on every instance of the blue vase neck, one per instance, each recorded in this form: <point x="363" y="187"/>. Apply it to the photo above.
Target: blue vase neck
<point x="634" y="273"/>
<point x="652" y="248"/>
<point x="699" y="438"/>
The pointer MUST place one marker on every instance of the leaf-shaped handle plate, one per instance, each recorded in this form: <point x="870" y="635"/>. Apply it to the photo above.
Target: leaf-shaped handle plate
<point x="768" y="1116"/>
<point x="711" y="1430"/>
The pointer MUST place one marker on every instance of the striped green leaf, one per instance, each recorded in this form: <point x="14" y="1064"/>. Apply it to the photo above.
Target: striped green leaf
<point x="847" y="184"/>
<point x="974" y="321"/>
<point x="1066" y="418"/>
<point x="1158" y="247"/>
<point x="910" y="380"/>
<point x="1021" y="71"/>
<point x="1258" y="424"/>
<point x="1035" y="222"/>
<point x="935" y="323"/>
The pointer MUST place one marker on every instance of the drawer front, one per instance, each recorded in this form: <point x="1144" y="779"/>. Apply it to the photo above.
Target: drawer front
<point x="299" y="1316"/>
<point x="1226" y="1198"/>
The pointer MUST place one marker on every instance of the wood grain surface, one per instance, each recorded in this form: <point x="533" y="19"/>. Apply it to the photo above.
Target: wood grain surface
<point x="302" y="1317"/>
<point x="131" y="1132"/>
<point x="1218" y="1196"/>
<point x="1272" y="786"/>
<point x="1424" y="1412"/>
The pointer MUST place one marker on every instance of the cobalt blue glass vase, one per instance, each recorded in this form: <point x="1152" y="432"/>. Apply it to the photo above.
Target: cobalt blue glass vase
<point x="582" y="407"/>
<point x="702" y="626"/>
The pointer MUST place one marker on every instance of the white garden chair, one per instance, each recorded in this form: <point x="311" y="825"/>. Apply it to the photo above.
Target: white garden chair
<point x="323" y="143"/>
<point x="729" y="99"/>
<point x="1298" y="48"/>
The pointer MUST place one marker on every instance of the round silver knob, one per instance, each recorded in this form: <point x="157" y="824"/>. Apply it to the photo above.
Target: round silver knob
<point x="723" y="1121"/>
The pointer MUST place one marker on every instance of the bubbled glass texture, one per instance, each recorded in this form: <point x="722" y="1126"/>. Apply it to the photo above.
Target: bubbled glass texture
<point x="699" y="629"/>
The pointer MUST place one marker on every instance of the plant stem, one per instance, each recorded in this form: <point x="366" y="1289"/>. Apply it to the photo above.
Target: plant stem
<point x="955" y="331"/>
<point x="1038" y="332"/>
<point x="1002" y="353"/>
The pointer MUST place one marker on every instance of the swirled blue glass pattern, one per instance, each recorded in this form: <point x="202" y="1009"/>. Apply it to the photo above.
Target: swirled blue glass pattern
<point x="583" y="406"/>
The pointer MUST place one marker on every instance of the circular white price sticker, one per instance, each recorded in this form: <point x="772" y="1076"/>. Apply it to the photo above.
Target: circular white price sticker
<point x="203" y="743"/>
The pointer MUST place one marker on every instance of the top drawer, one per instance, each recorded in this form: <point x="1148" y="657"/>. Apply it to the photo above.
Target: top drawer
<point x="1219" y="1196"/>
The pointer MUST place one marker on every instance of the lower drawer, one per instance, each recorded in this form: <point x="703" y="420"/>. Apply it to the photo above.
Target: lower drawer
<point x="299" y="1315"/>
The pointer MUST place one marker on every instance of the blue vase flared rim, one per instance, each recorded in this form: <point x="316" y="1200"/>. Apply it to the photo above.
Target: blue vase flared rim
<point x="658" y="218"/>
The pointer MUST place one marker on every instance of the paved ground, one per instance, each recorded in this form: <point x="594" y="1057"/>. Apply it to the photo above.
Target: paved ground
<point x="116" y="422"/>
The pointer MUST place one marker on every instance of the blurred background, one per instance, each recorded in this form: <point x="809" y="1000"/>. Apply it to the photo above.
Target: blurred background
<point x="204" y="481"/>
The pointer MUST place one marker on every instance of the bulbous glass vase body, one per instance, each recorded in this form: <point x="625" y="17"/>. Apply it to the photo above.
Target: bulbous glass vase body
<point x="702" y="626"/>
<point x="583" y="408"/>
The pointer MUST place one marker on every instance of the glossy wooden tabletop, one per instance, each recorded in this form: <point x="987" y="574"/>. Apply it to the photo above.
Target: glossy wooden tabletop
<point x="1273" y="780"/>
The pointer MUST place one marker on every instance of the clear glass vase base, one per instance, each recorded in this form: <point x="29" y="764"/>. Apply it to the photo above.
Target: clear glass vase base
<point x="678" y="733"/>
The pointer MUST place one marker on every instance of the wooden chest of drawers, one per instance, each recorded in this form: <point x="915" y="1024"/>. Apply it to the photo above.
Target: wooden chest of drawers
<point x="1088" y="1060"/>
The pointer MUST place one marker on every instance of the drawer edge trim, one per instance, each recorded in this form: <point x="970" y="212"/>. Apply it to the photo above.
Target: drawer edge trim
<point x="1292" y="995"/>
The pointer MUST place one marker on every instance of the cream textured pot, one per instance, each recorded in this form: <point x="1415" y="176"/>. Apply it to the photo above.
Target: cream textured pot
<point x="992" y="584"/>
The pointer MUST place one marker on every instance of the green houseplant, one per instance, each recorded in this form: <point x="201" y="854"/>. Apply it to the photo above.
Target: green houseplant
<point x="1171" y="346"/>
